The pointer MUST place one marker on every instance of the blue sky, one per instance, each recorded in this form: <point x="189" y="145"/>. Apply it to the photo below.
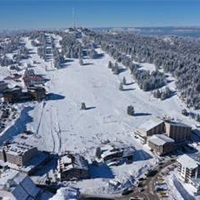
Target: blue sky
<point x="33" y="14"/>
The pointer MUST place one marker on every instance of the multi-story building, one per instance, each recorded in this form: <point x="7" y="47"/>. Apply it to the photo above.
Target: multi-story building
<point x="160" y="144"/>
<point x="149" y="128"/>
<point x="189" y="168"/>
<point x="177" y="131"/>
<point x="16" y="153"/>
<point x="72" y="167"/>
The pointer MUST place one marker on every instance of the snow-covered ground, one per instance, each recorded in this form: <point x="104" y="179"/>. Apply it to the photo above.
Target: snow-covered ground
<point x="147" y="66"/>
<point x="66" y="193"/>
<point x="60" y="125"/>
<point x="63" y="126"/>
<point x="179" y="190"/>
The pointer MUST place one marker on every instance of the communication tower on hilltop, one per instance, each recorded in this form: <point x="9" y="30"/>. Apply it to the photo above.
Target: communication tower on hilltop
<point x="73" y="16"/>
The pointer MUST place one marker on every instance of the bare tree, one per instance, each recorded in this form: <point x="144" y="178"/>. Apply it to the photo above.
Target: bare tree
<point x="121" y="88"/>
<point x="130" y="110"/>
<point x="81" y="62"/>
<point x="124" y="80"/>
<point x="83" y="106"/>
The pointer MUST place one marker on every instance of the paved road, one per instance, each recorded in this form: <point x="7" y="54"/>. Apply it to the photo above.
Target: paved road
<point x="146" y="192"/>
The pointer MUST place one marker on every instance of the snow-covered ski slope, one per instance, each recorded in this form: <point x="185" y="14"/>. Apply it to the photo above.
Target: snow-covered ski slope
<point x="62" y="126"/>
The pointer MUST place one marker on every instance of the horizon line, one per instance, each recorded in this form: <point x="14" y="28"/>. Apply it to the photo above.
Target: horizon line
<point x="96" y="27"/>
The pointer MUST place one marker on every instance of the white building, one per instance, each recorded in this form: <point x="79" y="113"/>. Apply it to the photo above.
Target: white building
<point x="189" y="169"/>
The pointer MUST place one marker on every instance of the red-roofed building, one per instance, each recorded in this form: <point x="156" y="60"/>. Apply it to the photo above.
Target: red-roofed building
<point x="34" y="80"/>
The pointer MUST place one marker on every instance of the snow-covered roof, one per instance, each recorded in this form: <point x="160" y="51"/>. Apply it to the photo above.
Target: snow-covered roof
<point x="66" y="159"/>
<point x="34" y="78"/>
<point x="79" y="162"/>
<point x="189" y="161"/>
<point x="173" y="123"/>
<point x="14" y="89"/>
<point x="75" y="161"/>
<point x="111" y="153"/>
<point x="160" y="139"/>
<point x="19" y="184"/>
<point x="66" y="193"/>
<point x="148" y="125"/>
<point x="111" y="150"/>
<point x="17" y="148"/>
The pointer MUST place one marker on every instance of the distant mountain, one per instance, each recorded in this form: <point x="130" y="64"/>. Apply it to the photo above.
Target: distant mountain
<point x="157" y="31"/>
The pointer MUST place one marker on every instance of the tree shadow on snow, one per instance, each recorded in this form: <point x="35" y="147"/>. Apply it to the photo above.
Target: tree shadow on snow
<point x="36" y="62"/>
<point x="141" y="155"/>
<point x="90" y="108"/>
<point x="173" y="93"/>
<point x="19" y="126"/>
<point x="121" y="70"/>
<point x="99" y="56"/>
<point x="53" y="96"/>
<point x="47" y="79"/>
<point x="169" y="81"/>
<point x="31" y="52"/>
<point x="68" y="60"/>
<point x="100" y="170"/>
<point x="128" y="89"/>
<point x="141" y="114"/>
<point x="63" y="66"/>
<point x="86" y="64"/>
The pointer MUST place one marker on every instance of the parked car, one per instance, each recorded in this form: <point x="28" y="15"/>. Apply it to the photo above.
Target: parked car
<point x="127" y="192"/>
